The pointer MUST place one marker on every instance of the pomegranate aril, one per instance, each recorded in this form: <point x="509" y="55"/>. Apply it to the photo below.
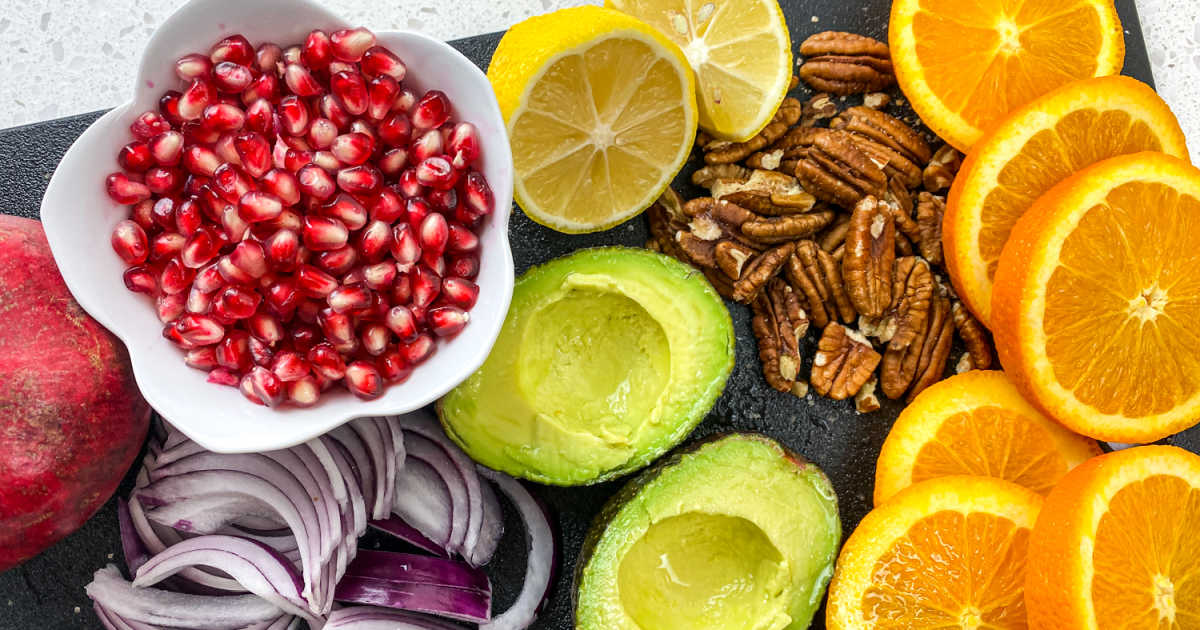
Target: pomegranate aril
<point x="349" y="298"/>
<point x="364" y="127"/>
<point x="463" y="145"/>
<point x="379" y="276"/>
<point x="436" y="264"/>
<point x="265" y="327"/>
<point x="230" y="182"/>
<point x="234" y="225"/>
<point x="125" y="190"/>
<point x="304" y="392"/>
<point x="338" y="327"/>
<point x="326" y="361"/>
<point x="233" y="352"/>
<point x="393" y="367"/>
<point x="378" y="61"/>
<point x="444" y="200"/>
<point x="393" y="161"/>
<point x="283" y="184"/>
<point x="289" y="366"/>
<point x="282" y="249"/>
<point x="381" y="96"/>
<point x="130" y="243"/>
<point x="193" y="66"/>
<point x="375" y="339"/>
<point x="464" y="267"/>
<point x="300" y="81"/>
<point x="222" y="117"/>
<point x="426" y="286"/>
<point x="351" y="90"/>
<point x="352" y="148"/>
<point x="282" y="297"/>
<point x="200" y="94"/>
<point x="201" y="247"/>
<point x="327" y="161"/>
<point x="303" y="336"/>
<point x="261" y="386"/>
<point x="461" y="239"/>
<point x="195" y="132"/>
<point x="315" y="283"/>
<point x="136" y="157"/>
<point x="232" y="78"/>
<point x="348" y="210"/>
<point x="187" y="217"/>
<point x="199" y="330"/>
<point x="256" y="206"/>
<point x="401" y="321"/>
<point x="460" y="292"/>
<point x="315" y="182"/>
<point x="223" y="376"/>
<point x="203" y="358"/>
<point x="401" y="289"/>
<point x="235" y="48"/>
<point x="418" y="350"/>
<point x="293" y="115"/>
<point x="175" y="277"/>
<point x="375" y="240"/>
<point x="386" y="207"/>
<point x="236" y="303"/>
<point x="200" y="160"/>
<point x="331" y="108"/>
<point x="260" y="352"/>
<point x="405" y="100"/>
<point x="149" y="124"/>
<point x="477" y="193"/>
<point x="447" y="321"/>
<point x="338" y="261"/>
<point x="162" y="180"/>
<point x="405" y="248"/>
<point x="363" y="380"/>
<point x="231" y="273"/>
<point x="337" y="66"/>
<point x="208" y="279"/>
<point x="430" y="144"/>
<point x="255" y="153"/>
<point x="264" y="88"/>
<point x="354" y="276"/>
<point x="260" y="118"/>
<point x="433" y="234"/>
<point x="324" y="233"/>
<point x="250" y="257"/>
<point x="315" y="52"/>
<point x="166" y="148"/>
<point x="169" y="306"/>
<point x="359" y="179"/>
<point x="321" y="133"/>
<point x="292" y="160"/>
<point x="349" y="44"/>
<point x="267" y="57"/>
<point x="168" y="106"/>
<point x="431" y="111"/>
<point x="395" y="130"/>
<point x="142" y="213"/>
<point x="140" y="279"/>
<point x="437" y="172"/>
<point x="166" y="244"/>
<point x="408" y="185"/>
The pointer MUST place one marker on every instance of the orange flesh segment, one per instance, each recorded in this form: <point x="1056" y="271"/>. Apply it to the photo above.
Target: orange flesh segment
<point x="1123" y="304"/>
<point x="1080" y="139"/>
<point x="992" y="442"/>
<point x="1148" y="581"/>
<point x="951" y="570"/>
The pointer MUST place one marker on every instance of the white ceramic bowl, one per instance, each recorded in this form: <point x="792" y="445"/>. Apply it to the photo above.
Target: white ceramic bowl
<point x="79" y="217"/>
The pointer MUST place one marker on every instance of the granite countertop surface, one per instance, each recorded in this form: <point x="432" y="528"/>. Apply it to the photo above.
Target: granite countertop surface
<point x="53" y="51"/>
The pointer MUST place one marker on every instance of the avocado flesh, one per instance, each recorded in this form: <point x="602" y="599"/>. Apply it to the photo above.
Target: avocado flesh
<point x="608" y="358"/>
<point x="735" y="534"/>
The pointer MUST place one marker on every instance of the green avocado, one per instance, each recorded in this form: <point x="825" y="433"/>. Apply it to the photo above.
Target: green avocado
<point x="608" y="358"/>
<point x="736" y="533"/>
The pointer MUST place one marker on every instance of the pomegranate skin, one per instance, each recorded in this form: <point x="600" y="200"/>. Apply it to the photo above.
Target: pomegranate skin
<point x="71" y="417"/>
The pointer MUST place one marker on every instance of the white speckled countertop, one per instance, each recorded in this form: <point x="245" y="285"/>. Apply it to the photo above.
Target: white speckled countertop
<point x="73" y="57"/>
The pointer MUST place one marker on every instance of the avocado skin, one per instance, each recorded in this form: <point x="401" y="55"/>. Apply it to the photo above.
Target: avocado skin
<point x="635" y="486"/>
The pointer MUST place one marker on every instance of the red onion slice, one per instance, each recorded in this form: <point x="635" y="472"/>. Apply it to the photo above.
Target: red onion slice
<point x="425" y="450"/>
<point x="452" y="603"/>
<point x="491" y="529"/>
<point x="372" y="618"/>
<point x="358" y="510"/>
<point x="407" y="567"/>
<point x="396" y="526"/>
<point x="380" y="459"/>
<point x="423" y="501"/>
<point x="135" y="551"/>
<point x="255" y="566"/>
<point x="393" y="454"/>
<point x="359" y="457"/>
<point x="542" y="557"/>
<point x="156" y="538"/>
<point x="176" y="610"/>
<point x="178" y="452"/>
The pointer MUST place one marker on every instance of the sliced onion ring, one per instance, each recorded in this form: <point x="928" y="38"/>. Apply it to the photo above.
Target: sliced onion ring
<point x="177" y="610"/>
<point x="543" y="553"/>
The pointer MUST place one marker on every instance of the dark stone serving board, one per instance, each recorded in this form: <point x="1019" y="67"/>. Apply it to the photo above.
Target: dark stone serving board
<point x="47" y="591"/>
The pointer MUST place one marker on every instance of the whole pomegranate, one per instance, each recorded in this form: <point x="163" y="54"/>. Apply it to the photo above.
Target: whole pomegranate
<point x="71" y="417"/>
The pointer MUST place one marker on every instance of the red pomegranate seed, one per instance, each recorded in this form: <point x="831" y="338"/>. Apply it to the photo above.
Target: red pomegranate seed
<point x="230" y="182"/>
<point x="236" y="303"/>
<point x="267" y="57"/>
<point x="261" y="386"/>
<point x="428" y="145"/>
<point x="149" y="124"/>
<point x="168" y="106"/>
<point x="200" y="248"/>
<point x="375" y="339"/>
<point x="196" y="133"/>
<point x="461" y="239"/>
<point x="321" y="133"/>
<point x="307" y="311"/>
<point x="359" y="179"/>
<point x="140" y="279"/>
<point x="418" y="350"/>
<point x="195" y="98"/>
<point x="464" y="267"/>
<point x="434" y="234"/>
<point x="426" y="286"/>
<point x="460" y="292"/>
<point x="315" y="283"/>
<point x="379" y="276"/>
<point x="169" y="306"/>
<point x="289" y="366"/>
<point x="231" y="273"/>
<point x="477" y="193"/>
<point x="282" y="249"/>
<point x="142" y="213"/>
<point x="166" y="148"/>
<point x="208" y="279"/>
<point x="193" y="66"/>
<point x="393" y="161"/>
<point x="300" y="81"/>
<point x="445" y="201"/>
<point x="255" y="153"/>
<point x="283" y="185"/>
<point x="337" y="66"/>
<point x="337" y="326"/>
<point x="381" y="96"/>
<point x="223" y="117"/>
<point x="354" y="276"/>
<point x="232" y="78"/>
<point x="222" y="376"/>
<point x="348" y="210"/>
<point x="136" y="157"/>
<point x="447" y="321"/>
<point x="395" y="130"/>
<point x="326" y="361"/>
<point x="282" y="297"/>
<point x="405" y="101"/>
<point x="291" y="54"/>
<point x="338" y="261"/>
<point x="225" y="150"/>
<point x="393" y="367"/>
<point x="162" y="180"/>
<point x="234" y="225"/>
<point x="261" y="352"/>
<point x="203" y="358"/>
<point x="352" y="148"/>
<point x="187" y="217"/>
<point x="324" y="233"/>
<point x="404" y="246"/>
<point x="315" y="182"/>
<point x="351" y="90"/>
<point x="233" y="352"/>
<point x="327" y="161"/>
<point x="200" y="160"/>
<point x="415" y="211"/>
<point x="250" y="257"/>
<point x="364" y="127"/>
<point x="175" y="277"/>
<point x="349" y="298"/>
<point x="463" y="145"/>
<point x="436" y="263"/>
<point x="349" y="44"/>
<point x="437" y="172"/>
<point x="235" y="48"/>
<point x="260" y="117"/>
<point x="304" y="392"/>
<point x="200" y="330"/>
<point x="378" y="61"/>
<point x="375" y="240"/>
<point x="431" y="111"/>
<point x="402" y="288"/>
<point x="293" y="115"/>
<point x="166" y="244"/>
<point x="264" y="88"/>
<point x="386" y="206"/>
<point x="265" y="327"/>
<point x="256" y="206"/>
<point x="125" y="190"/>
<point x="408" y="184"/>
<point x="315" y="52"/>
<point x="332" y="109"/>
<point x="363" y="380"/>
<point x="129" y="241"/>
<point x="287" y="220"/>
<point x="293" y="160"/>
<point x="400" y="320"/>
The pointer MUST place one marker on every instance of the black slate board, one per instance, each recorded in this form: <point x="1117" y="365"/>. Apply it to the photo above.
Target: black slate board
<point x="47" y="592"/>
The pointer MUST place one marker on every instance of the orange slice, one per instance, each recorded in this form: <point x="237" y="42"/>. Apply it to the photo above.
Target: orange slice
<point x="965" y="65"/>
<point x="944" y="554"/>
<point x="1115" y="545"/>
<point x="977" y="423"/>
<point x="1033" y="149"/>
<point x="1096" y="306"/>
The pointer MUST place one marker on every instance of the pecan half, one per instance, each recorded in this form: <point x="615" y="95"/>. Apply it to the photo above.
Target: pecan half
<point x="886" y="130"/>
<point x="836" y="170"/>
<point x="787" y="115"/>
<point x="765" y="192"/>
<point x="974" y="336"/>
<point x="819" y="107"/>
<point x="912" y="287"/>
<point x="833" y="237"/>
<point x="845" y="63"/>
<point x="666" y="219"/>
<point x="942" y="169"/>
<point x="796" y="142"/>
<point x="844" y="362"/>
<point x="870" y="251"/>
<point x="710" y="222"/>
<point x="930" y="210"/>
<point x="707" y="176"/>
<point x="760" y="271"/>
<point x="771" y="230"/>
<point x="923" y="361"/>
<point x="894" y="164"/>
<point x="901" y="202"/>
<point x="779" y="323"/>
<point x="815" y="274"/>
<point x="731" y="258"/>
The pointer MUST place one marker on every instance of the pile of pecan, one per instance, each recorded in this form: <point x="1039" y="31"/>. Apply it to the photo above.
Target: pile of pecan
<point x="832" y="217"/>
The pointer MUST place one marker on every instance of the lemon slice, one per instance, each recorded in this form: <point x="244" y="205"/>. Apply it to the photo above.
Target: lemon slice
<point x="601" y="114"/>
<point x="740" y="51"/>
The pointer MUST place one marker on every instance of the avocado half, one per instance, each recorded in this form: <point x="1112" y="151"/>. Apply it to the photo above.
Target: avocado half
<point x="608" y="358"/>
<point x="735" y="533"/>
